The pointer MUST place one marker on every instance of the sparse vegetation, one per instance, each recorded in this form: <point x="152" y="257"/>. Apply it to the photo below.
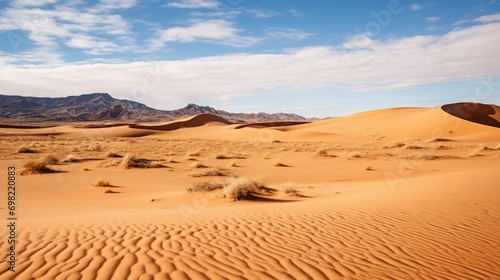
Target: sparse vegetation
<point x="222" y="156"/>
<point x="198" y="165"/>
<point x="209" y="173"/>
<point x="113" y="155"/>
<point x="233" y="164"/>
<point x="290" y="191"/>
<point x="72" y="158"/>
<point x="101" y="183"/>
<point x="34" y="167"/>
<point x="195" y="153"/>
<point x="242" y="189"/>
<point x="205" y="187"/>
<point x="369" y="168"/>
<point x="50" y="160"/>
<point x="278" y="163"/>
<point x="134" y="162"/>
<point x="25" y="150"/>
<point x="322" y="152"/>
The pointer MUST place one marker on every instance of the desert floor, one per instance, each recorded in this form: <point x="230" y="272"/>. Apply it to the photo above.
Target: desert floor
<point x="409" y="193"/>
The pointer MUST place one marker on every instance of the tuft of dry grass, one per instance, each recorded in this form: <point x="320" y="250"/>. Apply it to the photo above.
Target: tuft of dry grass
<point x="197" y="165"/>
<point x="101" y="183"/>
<point x="242" y="189"/>
<point x="278" y="163"/>
<point x="233" y="164"/>
<point x="205" y="187"/>
<point x="322" y="152"/>
<point x="395" y="144"/>
<point x="475" y="152"/>
<point x="134" y="162"/>
<point x="72" y="158"/>
<point x="419" y="157"/>
<point x="25" y="150"/>
<point x="355" y="155"/>
<point x="290" y="191"/>
<point x="369" y="168"/>
<point x="50" y="160"/>
<point x="34" y="167"/>
<point x="195" y="153"/>
<point x="209" y="173"/>
<point x="109" y="191"/>
<point x="113" y="155"/>
<point x="222" y="156"/>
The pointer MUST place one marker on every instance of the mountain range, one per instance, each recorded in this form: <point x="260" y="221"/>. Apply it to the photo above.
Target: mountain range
<point x="103" y="107"/>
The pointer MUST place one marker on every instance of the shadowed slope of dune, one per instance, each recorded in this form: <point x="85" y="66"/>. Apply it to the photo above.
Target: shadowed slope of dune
<point x="475" y="112"/>
<point x="194" y="121"/>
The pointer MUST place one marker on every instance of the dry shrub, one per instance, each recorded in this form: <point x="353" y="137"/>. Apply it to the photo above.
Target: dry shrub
<point x="209" y="173"/>
<point x="34" y="167"/>
<point x="419" y="157"/>
<point x="101" y="183"/>
<point x="396" y="144"/>
<point x="72" y="158"/>
<point x="50" y="160"/>
<point x="369" y="168"/>
<point x="242" y="189"/>
<point x="134" y="162"/>
<point x="205" y="187"/>
<point x="198" y="165"/>
<point x="25" y="150"/>
<point x="195" y="153"/>
<point x="233" y="164"/>
<point x="322" y="152"/>
<point x="222" y="156"/>
<point x="278" y="163"/>
<point x="109" y="191"/>
<point x="290" y="191"/>
<point x="113" y="155"/>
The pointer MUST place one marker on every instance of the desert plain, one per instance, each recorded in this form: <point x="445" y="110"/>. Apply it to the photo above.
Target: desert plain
<point x="403" y="193"/>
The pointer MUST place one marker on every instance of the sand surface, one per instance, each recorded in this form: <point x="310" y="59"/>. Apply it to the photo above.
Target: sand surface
<point x="406" y="193"/>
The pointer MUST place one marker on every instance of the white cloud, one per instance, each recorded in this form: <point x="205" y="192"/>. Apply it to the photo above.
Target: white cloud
<point x="54" y="27"/>
<point x="361" y="64"/>
<point x="217" y="31"/>
<point x="193" y="4"/>
<point x="295" y="13"/>
<point x="432" y="19"/>
<point x="488" y="18"/>
<point x="261" y="13"/>
<point x="32" y="3"/>
<point x="287" y="33"/>
<point x="415" y="7"/>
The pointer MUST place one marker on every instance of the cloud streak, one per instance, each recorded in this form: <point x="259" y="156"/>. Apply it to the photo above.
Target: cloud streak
<point x="360" y="65"/>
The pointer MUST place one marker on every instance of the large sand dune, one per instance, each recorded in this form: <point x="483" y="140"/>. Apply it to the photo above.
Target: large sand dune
<point x="377" y="195"/>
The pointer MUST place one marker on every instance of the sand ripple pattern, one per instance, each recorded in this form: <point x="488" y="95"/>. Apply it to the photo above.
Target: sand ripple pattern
<point x="325" y="244"/>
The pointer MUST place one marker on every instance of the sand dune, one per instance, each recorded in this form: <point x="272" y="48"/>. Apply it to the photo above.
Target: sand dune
<point x="406" y="193"/>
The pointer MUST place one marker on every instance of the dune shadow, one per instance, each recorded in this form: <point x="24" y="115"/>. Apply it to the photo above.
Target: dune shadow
<point x="474" y="112"/>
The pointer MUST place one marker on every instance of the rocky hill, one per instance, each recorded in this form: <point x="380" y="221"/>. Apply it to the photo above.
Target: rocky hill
<point x="103" y="107"/>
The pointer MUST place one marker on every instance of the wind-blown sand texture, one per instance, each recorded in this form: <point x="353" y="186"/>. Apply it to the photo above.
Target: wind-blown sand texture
<point x="408" y="193"/>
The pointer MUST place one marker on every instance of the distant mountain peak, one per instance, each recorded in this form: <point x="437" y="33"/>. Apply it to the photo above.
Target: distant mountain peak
<point x="103" y="107"/>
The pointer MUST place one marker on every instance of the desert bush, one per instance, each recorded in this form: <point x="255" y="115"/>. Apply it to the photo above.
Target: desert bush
<point x="25" y="150"/>
<point x="290" y="191"/>
<point x="222" y="156"/>
<point x="198" y="165"/>
<point x="101" y="183"/>
<point x="113" y="155"/>
<point x="322" y="152"/>
<point x="209" y="173"/>
<point x="35" y="167"/>
<point x="50" y="159"/>
<point x="134" y="162"/>
<point x="195" y="153"/>
<point x="242" y="189"/>
<point x="72" y="158"/>
<point x="205" y="187"/>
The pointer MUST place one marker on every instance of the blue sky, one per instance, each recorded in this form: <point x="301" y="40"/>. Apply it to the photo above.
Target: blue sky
<point x="315" y="58"/>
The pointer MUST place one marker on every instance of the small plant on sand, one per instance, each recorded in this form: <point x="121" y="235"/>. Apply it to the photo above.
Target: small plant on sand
<point x="101" y="183"/>
<point x="233" y="164"/>
<point x="209" y="173"/>
<point x="113" y="155"/>
<point x="242" y="189"/>
<point x="25" y="150"/>
<point x="109" y="191"/>
<point x="134" y="162"/>
<point x="290" y="191"/>
<point x="72" y="158"/>
<point x="50" y="160"/>
<point x="322" y="152"/>
<point x="369" y="168"/>
<point x="278" y="163"/>
<point x="222" y="156"/>
<point x="198" y="165"/>
<point x="34" y="167"/>
<point x="205" y="187"/>
<point x="195" y="153"/>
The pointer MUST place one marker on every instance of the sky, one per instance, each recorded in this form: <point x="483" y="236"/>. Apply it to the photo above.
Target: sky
<point x="315" y="58"/>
